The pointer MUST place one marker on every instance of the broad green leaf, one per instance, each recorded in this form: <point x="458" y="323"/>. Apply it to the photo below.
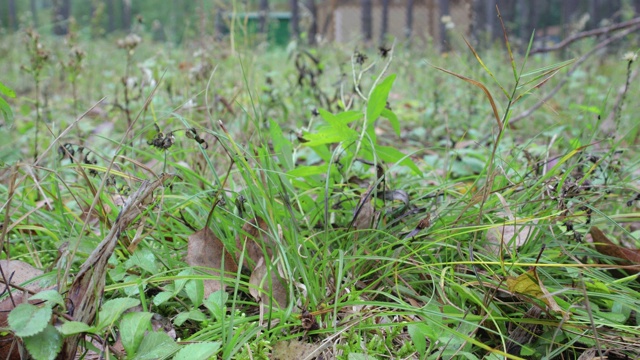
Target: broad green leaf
<point x="195" y="292"/>
<point x="346" y="117"/>
<point x="216" y="303"/>
<point x="132" y="329"/>
<point x="302" y="171"/>
<point x="378" y="99"/>
<point x="392" y="155"/>
<point x="162" y="297"/>
<point x="28" y="320"/>
<point x="393" y="119"/>
<point x="198" y="351"/>
<point x="418" y="333"/>
<point x="75" y="327"/>
<point x="45" y="345"/>
<point x="330" y="134"/>
<point x="6" y="110"/>
<point x="156" y="345"/>
<point x="194" y="314"/>
<point x="111" y="310"/>
<point x="6" y="91"/>
<point x="51" y="296"/>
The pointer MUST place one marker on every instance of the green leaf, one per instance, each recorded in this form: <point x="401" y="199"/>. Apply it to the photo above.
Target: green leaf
<point x="392" y="155"/>
<point x="6" y="110"/>
<point x="156" y="345"/>
<point x="216" y="303"/>
<point x="6" y="91"/>
<point x="132" y="328"/>
<point x="378" y="99"/>
<point x="194" y="314"/>
<point x="45" y="345"/>
<point x="28" y="320"/>
<point x="51" y="296"/>
<point x="393" y="119"/>
<point x="418" y="333"/>
<point x="113" y="309"/>
<point x="281" y="145"/>
<point x="195" y="292"/>
<point x="162" y="297"/>
<point x="198" y="351"/>
<point x="75" y="327"/>
<point x="302" y="171"/>
<point x="330" y="134"/>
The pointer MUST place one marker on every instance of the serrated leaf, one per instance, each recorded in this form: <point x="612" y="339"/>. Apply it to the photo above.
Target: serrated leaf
<point x="132" y="328"/>
<point x="378" y="99"/>
<point x="75" y="327"/>
<point x="28" y="320"/>
<point x="393" y="119"/>
<point x="198" y="351"/>
<point x="392" y="155"/>
<point x="45" y="345"/>
<point x="51" y="296"/>
<point x="111" y="311"/>
<point x="155" y="345"/>
<point x="195" y="292"/>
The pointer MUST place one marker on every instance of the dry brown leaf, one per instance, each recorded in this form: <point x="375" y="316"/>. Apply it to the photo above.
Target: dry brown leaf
<point x="294" y="350"/>
<point x="363" y="215"/>
<point x="255" y="237"/>
<point x="18" y="272"/>
<point x="206" y="250"/>
<point x="608" y="248"/>
<point x="266" y="284"/>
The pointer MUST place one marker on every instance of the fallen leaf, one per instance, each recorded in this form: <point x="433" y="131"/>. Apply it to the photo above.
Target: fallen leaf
<point x="606" y="247"/>
<point x="509" y="235"/>
<point x="255" y="238"/>
<point x="294" y="350"/>
<point x="267" y="285"/>
<point x="206" y="250"/>
<point x="363" y="214"/>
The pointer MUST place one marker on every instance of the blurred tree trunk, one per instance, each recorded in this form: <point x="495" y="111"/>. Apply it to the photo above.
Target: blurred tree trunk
<point x="569" y="10"/>
<point x="126" y="15"/>
<point x="295" y="19"/>
<point x="34" y="12"/>
<point x="534" y="16"/>
<point x="385" y="20"/>
<point x="490" y="18"/>
<point x="111" y="16"/>
<point x="443" y="6"/>
<point x="366" y="19"/>
<point x="313" y="29"/>
<point x="523" y="11"/>
<point x="13" y="15"/>
<point x="264" y="13"/>
<point x="636" y="7"/>
<point x="409" y="19"/>
<point x="61" y="11"/>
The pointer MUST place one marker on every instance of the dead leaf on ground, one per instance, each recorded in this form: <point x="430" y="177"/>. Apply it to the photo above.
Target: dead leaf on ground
<point x="255" y="237"/>
<point x="266" y="284"/>
<point x="606" y="247"/>
<point x="509" y="235"/>
<point x="17" y="272"/>
<point x="294" y="350"/>
<point x="363" y="214"/>
<point x="206" y="250"/>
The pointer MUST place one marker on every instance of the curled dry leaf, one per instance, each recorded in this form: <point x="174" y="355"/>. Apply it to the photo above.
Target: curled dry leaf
<point x="206" y="250"/>
<point x="363" y="215"/>
<point x="294" y="350"/>
<point x="608" y="248"/>
<point x="18" y="272"/>
<point x="509" y="236"/>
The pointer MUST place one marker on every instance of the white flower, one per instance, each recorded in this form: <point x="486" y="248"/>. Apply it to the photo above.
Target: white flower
<point x="630" y="56"/>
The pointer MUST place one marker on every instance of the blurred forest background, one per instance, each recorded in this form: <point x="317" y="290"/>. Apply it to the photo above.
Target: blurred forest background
<point x="315" y="21"/>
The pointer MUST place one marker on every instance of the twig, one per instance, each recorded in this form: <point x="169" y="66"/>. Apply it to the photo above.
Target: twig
<point x="577" y="64"/>
<point x="585" y="34"/>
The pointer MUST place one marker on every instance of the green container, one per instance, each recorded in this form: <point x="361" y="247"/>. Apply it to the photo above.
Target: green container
<point x="278" y="26"/>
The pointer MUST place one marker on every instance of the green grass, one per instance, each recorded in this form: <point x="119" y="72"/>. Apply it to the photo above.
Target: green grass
<point x="441" y="293"/>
